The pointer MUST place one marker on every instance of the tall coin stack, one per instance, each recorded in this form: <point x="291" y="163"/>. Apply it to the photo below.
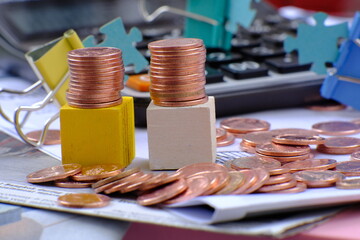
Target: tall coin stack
<point x="177" y="72"/>
<point x="96" y="77"/>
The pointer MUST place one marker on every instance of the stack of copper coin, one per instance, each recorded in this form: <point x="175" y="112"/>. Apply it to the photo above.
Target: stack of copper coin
<point x="96" y="77"/>
<point x="177" y="72"/>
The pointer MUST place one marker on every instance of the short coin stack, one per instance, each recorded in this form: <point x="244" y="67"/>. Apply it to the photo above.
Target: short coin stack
<point x="177" y="72"/>
<point x="96" y="77"/>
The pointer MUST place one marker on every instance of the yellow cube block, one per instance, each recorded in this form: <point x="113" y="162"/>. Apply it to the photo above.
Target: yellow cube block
<point x="98" y="136"/>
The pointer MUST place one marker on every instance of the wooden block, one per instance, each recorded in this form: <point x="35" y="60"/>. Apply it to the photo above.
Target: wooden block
<point x="98" y="136"/>
<point x="179" y="136"/>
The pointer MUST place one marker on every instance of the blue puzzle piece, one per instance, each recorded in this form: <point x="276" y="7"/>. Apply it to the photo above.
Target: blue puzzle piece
<point x="240" y="12"/>
<point x="344" y="85"/>
<point x="317" y="44"/>
<point x="116" y="36"/>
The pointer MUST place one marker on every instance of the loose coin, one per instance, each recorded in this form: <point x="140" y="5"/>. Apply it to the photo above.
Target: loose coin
<point x="236" y="180"/>
<point x="229" y="139"/>
<point x="52" y="137"/>
<point x="262" y="177"/>
<point x="349" y="168"/>
<point x="254" y="162"/>
<point x="348" y="183"/>
<point x="293" y="139"/>
<point x="335" y="128"/>
<point x="285" y="159"/>
<point x="278" y="187"/>
<point x="244" y="125"/>
<point x="257" y="138"/>
<point x="159" y="181"/>
<point x="300" y="187"/>
<point x="311" y="164"/>
<point x="273" y="149"/>
<point x="220" y="134"/>
<point x="163" y="194"/>
<point x="118" y="184"/>
<point x="54" y="173"/>
<point x="278" y="171"/>
<point x="339" y="145"/>
<point x="136" y="183"/>
<point x="84" y="200"/>
<point x="246" y="147"/>
<point x="327" y="106"/>
<point x="72" y="184"/>
<point x="318" y="179"/>
<point x="355" y="156"/>
<point x="97" y="172"/>
<point x="251" y="178"/>
<point x="114" y="178"/>
<point x="297" y="131"/>
<point x="197" y="186"/>
<point x="281" y="178"/>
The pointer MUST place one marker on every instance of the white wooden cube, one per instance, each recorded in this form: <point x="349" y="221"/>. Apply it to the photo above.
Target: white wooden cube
<point x="180" y="136"/>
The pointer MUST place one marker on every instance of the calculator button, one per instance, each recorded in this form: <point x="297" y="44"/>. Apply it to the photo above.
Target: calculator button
<point x="246" y="69"/>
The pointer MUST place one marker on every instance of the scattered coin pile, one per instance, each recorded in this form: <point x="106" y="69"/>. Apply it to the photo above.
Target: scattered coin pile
<point x="96" y="77"/>
<point x="177" y="72"/>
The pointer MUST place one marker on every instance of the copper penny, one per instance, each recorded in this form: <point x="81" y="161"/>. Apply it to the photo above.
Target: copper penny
<point x="175" y="44"/>
<point x="72" y="184"/>
<point x="52" y="137"/>
<point x="348" y="183"/>
<point x="293" y="139"/>
<point x="335" y="128"/>
<point x="339" y="145"/>
<point x="244" y="146"/>
<point x="284" y="160"/>
<point x="94" y="52"/>
<point x="244" y="125"/>
<point x="297" y="131"/>
<point x="93" y="105"/>
<point x="116" y="177"/>
<point x="349" y="168"/>
<point x="251" y="178"/>
<point x="84" y="200"/>
<point x="236" y="180"/>
<point x="229" y="139"/>
<point x="300" y="187"/>
<point x="355" y="156"/>
<point x="181" y="103"/>
<point x="278" y="187"/>
<point x="54" y="173"/>
<point x="273" y="149"/>
<point x="262" y="177"/>
<point x="254" y="162"/>
<point x="220" y="134"/>
<point x="97" y="172"/>
<point x="311" y="164"/>
<point x="136" y="183"/>
<point x="161" y="195"/>
<point x="278" y="171"/>
<point x="159" y="181"/>
<point x="197" y="186"/>
<point x="257" y="138"/>
<point x="281" y="178"/>
<point x="318" y="179"/>
<point x="118" y="184"/>
<point x="327" y="106"/>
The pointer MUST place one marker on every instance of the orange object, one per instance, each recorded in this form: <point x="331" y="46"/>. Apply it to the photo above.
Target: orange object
<point x="139" y="82"/>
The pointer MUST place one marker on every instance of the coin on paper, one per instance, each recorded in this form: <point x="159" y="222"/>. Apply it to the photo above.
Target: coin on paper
<point x="84" y="200"/>
<point x="54" y="173"/>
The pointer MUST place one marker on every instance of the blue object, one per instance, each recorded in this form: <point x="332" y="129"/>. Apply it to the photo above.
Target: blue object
<point x="317" y="44"/>
<point x="344" y="84"/>
<point x="239" y="13"/>
<point x="116" y="36"/>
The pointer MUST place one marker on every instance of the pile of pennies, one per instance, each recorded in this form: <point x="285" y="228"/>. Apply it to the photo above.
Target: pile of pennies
<point x="177" y="72"/>
<point x="96" y="77"/>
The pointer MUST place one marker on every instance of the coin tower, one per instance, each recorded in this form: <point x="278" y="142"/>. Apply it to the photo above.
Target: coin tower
<point x="97" y="123"/>
<point x="180" y="117"/>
